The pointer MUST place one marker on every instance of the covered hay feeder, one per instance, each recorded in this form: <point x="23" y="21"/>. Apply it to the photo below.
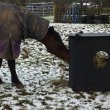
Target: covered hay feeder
<point x="89" y="66"/>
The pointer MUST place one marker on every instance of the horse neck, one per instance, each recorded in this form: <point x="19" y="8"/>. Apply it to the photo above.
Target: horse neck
<point x="45" y="39"/>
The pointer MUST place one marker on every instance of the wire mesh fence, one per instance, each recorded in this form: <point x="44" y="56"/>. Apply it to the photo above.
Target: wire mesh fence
<point x="41" y="9"/>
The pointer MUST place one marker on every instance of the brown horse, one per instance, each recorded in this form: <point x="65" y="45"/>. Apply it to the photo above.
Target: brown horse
<point x="17" y="24"/>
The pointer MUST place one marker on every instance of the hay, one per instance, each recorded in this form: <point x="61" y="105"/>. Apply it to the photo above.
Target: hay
<point x="60" y="82"/>
<point x="101" y="59"/>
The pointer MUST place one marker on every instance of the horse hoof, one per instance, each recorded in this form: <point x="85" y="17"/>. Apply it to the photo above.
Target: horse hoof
<point x="19" y="85"/>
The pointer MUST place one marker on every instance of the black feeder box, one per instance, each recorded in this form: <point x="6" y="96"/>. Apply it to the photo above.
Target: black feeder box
<point x="89" y="63"/>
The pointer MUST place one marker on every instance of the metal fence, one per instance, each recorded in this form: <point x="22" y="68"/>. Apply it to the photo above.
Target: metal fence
<point x="72" y="14"/>
<point x="42" y="9"/>
<point x="81" y="13"/>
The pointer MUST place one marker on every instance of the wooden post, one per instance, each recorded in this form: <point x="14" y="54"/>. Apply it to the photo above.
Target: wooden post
<point x="60" y="7"/>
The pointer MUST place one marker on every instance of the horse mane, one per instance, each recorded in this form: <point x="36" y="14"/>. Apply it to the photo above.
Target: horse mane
<point x="51" y="31"/>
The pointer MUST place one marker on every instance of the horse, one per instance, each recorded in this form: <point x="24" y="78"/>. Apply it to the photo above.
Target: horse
<point x="17" y="24"/>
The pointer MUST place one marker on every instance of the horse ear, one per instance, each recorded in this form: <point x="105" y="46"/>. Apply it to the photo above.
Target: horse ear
<point x="51" y="29"/>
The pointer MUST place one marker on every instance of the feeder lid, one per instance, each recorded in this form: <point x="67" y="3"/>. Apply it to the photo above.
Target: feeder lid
<point x="90" y="35"/>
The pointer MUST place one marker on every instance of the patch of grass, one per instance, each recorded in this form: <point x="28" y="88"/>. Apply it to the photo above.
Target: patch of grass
<point x="59" y="109"/>
<point x="7" y="107"/>
<point x="92" y="97"/>
<point x="15" y="97"/>
<point x="23" y="92"/>
<point x="75" y="107"/>
<point x="92" y="93"/>
<point x="48" y="98"/>
<point x="77" y="97"/>
<point x="62" y="101"/>
<point x="60" y="83"/>
<point x="68" y="92"/>
<point x="50" y="18"/>
<point x="44" y="103"/>
<point x="8" y="88"/>
<point x="45" y="72"/>
<point x="82" y="95"/>
<point x="99" y="107"/>
<point x="48" y="107"/>
<point x="25" y="101"/>
<point x="5" y="95"/>
<point x="89" y="100"/>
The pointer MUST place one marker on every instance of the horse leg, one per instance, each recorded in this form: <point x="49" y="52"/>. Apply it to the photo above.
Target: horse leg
<point x="0" y="66"/>
<point x="14" y="77"/>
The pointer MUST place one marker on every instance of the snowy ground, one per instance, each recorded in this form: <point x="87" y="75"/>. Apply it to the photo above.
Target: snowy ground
<point x="46" y="78"/>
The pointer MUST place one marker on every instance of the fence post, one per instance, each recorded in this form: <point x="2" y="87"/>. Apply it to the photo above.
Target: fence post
<point x="43" y="12"/>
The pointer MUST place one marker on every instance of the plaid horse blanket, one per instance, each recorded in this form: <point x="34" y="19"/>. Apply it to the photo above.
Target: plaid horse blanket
<point x="14" y="26"/>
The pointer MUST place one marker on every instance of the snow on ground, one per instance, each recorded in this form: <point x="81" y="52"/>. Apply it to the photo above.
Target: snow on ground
<point x="46" y="78"/>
